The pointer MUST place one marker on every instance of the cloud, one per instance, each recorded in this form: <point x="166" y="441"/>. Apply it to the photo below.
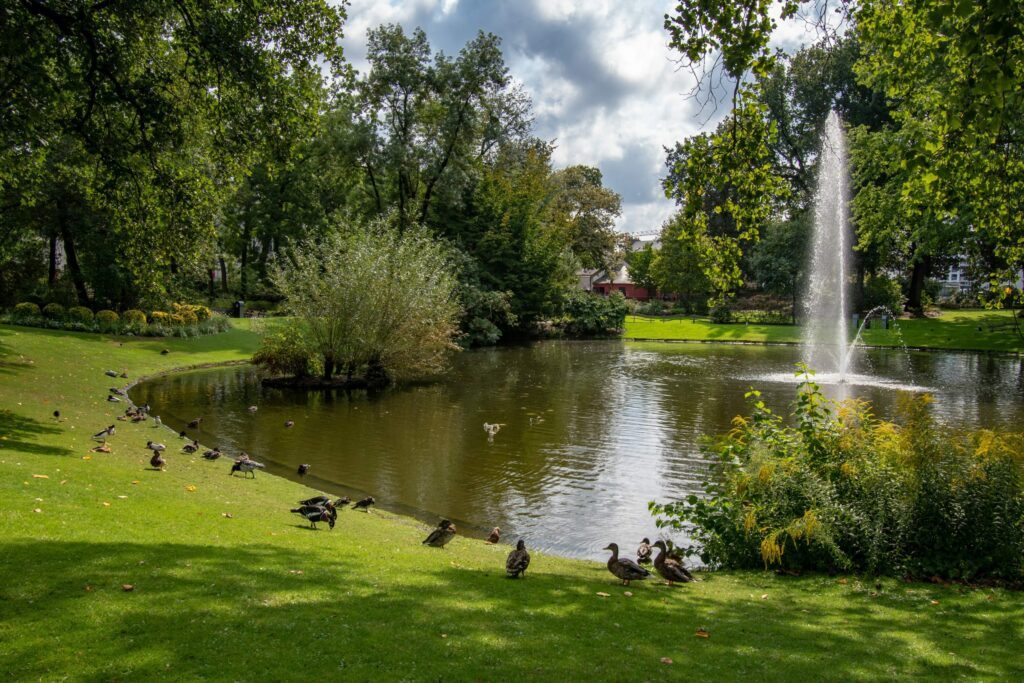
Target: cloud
<point x="602" y="79"/>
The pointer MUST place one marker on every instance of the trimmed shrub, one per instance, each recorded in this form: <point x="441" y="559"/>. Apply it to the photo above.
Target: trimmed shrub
<point x="160" y="318"/>
<point x="176" y="319"/>
<point x="721" y="314"/>
<point x="26" y="309"/>
<point x="107" y="319"/>
<point x="53" y="311"/>
<point x="134" y="317"/>
<point x="80" y="314"/>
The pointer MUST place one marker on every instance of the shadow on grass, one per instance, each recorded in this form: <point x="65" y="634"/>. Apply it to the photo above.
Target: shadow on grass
<point x="210" y="611"/>
<point x="8" y="366"/>
<point x="20" y="431"/>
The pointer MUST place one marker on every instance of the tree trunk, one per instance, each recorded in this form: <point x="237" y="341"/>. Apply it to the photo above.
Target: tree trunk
<point x="922" y="267"/>
<point x="328" y="368"/>
<point x="53" y="260"/>
<point x="213" y="287"/>
<point x="73" y="268"/>
<point x="223" y="275"/>
<point x="244" y="281"/>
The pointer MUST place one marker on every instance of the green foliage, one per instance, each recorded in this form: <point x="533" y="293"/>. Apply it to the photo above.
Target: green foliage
<point x="107" y="320"/>
<point x="160" y="318"/>
<point x="134" y="317"/>
<point x="287" y="351"/>
<point x="836" y="488"/>
<point x="54" y="311"/>
<point x="720" y="314"/>
<point x="880" y="290"/>
<point x="641" y="268"/>
<point x="591" y="315"/>
<point x="80" y="314"/>
<point x="26" y="309"/>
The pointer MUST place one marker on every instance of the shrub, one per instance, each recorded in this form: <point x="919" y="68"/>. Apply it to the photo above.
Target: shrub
<point x="53" y="311"/>
<point x="134" y="317"/>
<point x="189" y="312"/>
<point x="838" y="488"/>
<point x="26" y="309"/>
<point x="160" y="318"/>
<point x="107" y="319"/>
<point x="721" y="314"/>
<point x="80" y="314"/>
<point x="588" y="315"/>
<point x="288" y="352"/>
<point x="880" y="290"/>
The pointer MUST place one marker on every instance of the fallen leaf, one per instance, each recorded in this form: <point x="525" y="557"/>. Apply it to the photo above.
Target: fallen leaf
<point x="603" y="594"/>
<point x="295" y="571"/>
<point x="86" y="457"/>
<point x="444" y="635"/>
<point x="226" y="514"/>
<point x="37" y="510"/>
<point x="63" y="481"/>
<point x="628" y="594"/>
<point x="764" y="596"/>
<point x="136" y="481"/>
<point x="841" y="582"/>
<point x="874" y="594"/>
<point x="40" y="476"/>
<point x="127" y="587"/>
<point x="122" y="497"/>
<point x="666" y="660"/>
<point x="39" y="500"/>
<point x="88" y="588"/>
<point x="190" y="488"/>
<point x="701" y="633"/>
<point x="935" y="602"/>
<point x="106" y="504"/>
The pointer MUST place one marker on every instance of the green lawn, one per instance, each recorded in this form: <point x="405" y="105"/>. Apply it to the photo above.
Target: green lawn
<point x="229" y="585"/>
<point x="953" y="330"/>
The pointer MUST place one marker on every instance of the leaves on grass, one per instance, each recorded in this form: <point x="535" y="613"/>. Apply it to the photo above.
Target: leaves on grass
<point x="701" y="633"/>
<point x="764" y="596"/>
<point x="628" y="594"/>
<point x="226" y="514"/>
<point x="935" y="602"/>
<point x="666" y="660"/>
<point x="86" y="457"/>
<point x="37" y="510"/>
<point x="296" y="571"/>
<point x="127" y="587"/>
<point x="842" y="582"/>
<point x="190" y="488"/>
<point x="88" y="588"/>
<point x="603" y="594"/>
<point x="40" y="476"/>
<point x="106" y="504"/>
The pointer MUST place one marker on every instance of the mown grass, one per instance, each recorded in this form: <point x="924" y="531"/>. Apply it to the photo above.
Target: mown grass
<point x="258" y="596"/>
<point x="963" y="330"/>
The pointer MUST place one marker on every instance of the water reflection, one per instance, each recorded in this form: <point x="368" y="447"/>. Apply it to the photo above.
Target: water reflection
<point x="592" y="430"/>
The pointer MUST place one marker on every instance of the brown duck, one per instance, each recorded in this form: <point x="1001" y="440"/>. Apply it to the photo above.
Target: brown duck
<point x="643" y="553"/>
<point x="518" y="560"/>
<point x="441" y="536"/>
<point x="624" y="568"/>
<point x="670" y="569"/>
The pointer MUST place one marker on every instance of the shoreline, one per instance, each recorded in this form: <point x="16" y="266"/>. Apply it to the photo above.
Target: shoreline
<point x="752" y="342"/>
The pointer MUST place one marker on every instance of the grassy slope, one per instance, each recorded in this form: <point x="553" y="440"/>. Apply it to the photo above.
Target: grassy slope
<point x="954" y="330"/>
<point x="258" y="596"/>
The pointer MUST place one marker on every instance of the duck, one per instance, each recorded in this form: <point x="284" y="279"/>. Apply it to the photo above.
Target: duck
<point x="124" y="373"/>
<point x="182" y="434"/>
<point x="246" y="467"/>
<point x="56" y="415"/>
<point x="110" y="373"/>
<point x="288" y="424"/>
<point x="315" y="513"/>
<point x="153" y="446"/>
<point x="104" y="433"/>
<point x="157" y="422"/>
<point x="492" y="429"/>
<point x="623" y="568"/>
<point x="643" y="553"/>
<point x="495" y="535"/>
<point x="365" y="503"/>
<point x="164" y="352"/>
<point x="670" y="569"/>
<point x="441" y="536"/>
<point x="113" y="399"/>
<point x="303" y="469"/>
<point x="342" y="502"/>
<point x="518" y="560"/>
<point x="102" y="448"/>
<point x="315" y="500"/>
<point x="190" y="447"/>
<point x="157" y="462"/>
<point x="194" y="424"/>
<point x="118" y="392"/>
<point x="212" y="454"/>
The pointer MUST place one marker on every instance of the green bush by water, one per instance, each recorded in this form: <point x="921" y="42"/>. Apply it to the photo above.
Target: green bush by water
<point x="841" y="489"/>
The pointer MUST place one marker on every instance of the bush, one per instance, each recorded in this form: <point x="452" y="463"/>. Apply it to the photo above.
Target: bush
<point x="80" y="314"/>
<point x="880" y="290"/>
<point x="53" y="311"/>
<point x="721" y="314"/>
<point x="107" y="319"/>
<point x="589" y="315"/>
<point x="842" y="489"/>
<point x="160" y="318"/>
<point x="191" y="314"/>
<point x="288" y="352"/>
<point x="26" y="309"/>
<point x="134" y="317"/>
<point x="763" y="317"/>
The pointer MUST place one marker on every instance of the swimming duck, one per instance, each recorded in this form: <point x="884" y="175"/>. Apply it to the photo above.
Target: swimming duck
<point x="104" y="433"/>
<point x="157" y="462"/>
<point x="246" y="467"/>
<point x="492" y="429"/>
<point x="495" y="535"/>
<point x="303" y="469"/>
<point x="518" y="560"/>
<point x="212" y="454"/>
<point x="194" y="424"/>
<point x="670" y="568"/>
<point x="643" y="553"/>
<point x="153" y="446"/>
<point x="190" y="447"/>
<point x="315" y="513"/>
<point x="623" y="568"/>
<point x="365" y="503"/>
<point x="440" y="536"/>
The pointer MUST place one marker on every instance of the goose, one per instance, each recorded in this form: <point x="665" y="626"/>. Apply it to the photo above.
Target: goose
<point x="212" y="454"/>
<point x="365" y="503"/>
<point x="518" y="560"/>
<point x="643" y="553"/>
<point x="495" y="535"/>
<point x="670" y="568"/>
<point x="440" y="536"/>
<point x="104" y="433"/>
<point x="623" y="568"/>
<point x="157" y="462"/>
<point x="303" y="469"/>
<point x="190" y="447"/>
<point x="153" y="446"/>
<point x="194" y="424"/>
<point x="315" y="513"/>
<point x="246" y="467"/>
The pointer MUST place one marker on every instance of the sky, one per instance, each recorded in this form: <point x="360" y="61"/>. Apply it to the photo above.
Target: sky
<point x="603" y="81"/>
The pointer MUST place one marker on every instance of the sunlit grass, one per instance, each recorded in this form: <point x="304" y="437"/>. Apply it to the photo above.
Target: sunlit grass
<point x="257" y="595"/>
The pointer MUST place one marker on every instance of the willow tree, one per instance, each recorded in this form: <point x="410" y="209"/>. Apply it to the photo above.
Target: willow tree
<point x="374" y="302"/>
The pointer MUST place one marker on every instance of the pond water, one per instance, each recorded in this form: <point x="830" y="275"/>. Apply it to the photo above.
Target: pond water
<point x="591" y="431"/>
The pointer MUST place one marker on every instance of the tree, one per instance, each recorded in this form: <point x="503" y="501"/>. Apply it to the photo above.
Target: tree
<point x="373" y="300"/>
<point x="641" y="268"/>
<point x="778" y="261"/>
<point x="677" y="268"/>
<point x="588" y="209"/>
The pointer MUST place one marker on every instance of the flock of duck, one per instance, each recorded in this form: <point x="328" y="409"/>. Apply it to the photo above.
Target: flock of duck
<point x="321" y="509"/>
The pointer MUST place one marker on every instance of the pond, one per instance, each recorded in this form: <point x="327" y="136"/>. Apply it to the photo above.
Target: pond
<point x="591" y="431"/>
